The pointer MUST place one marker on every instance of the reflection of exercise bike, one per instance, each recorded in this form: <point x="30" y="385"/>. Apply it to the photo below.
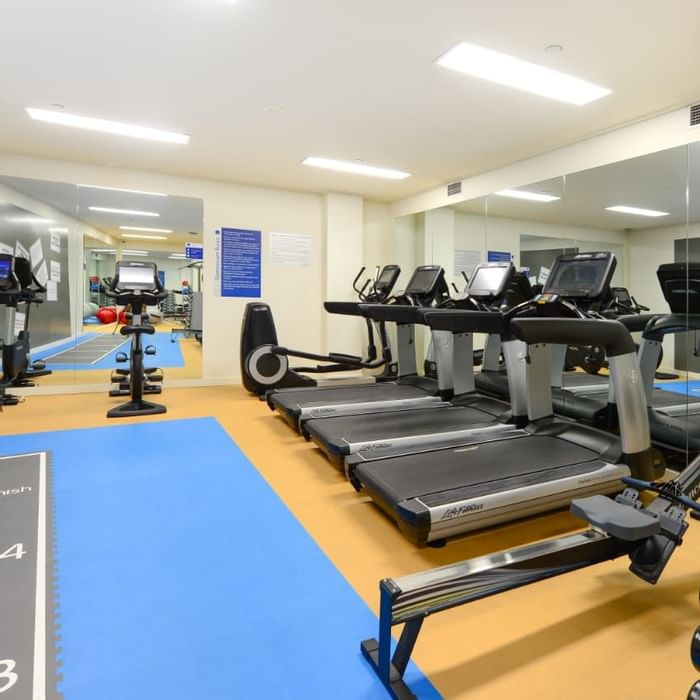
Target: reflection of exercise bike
<point x="136" y="284"/>
<point x="265" y="363"/>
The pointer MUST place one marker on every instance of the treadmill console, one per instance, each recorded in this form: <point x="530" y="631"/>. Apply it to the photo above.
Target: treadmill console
<point x="581" y="276"/>
<point x="680" y="283"/>
<point x="490" y="280"/>
<point x="387" y="279"/>
<point x="427" y="284"/>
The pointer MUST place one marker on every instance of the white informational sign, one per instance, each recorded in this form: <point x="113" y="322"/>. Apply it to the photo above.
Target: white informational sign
<point x="6" y="249"/>
<point x="466" y="261"/>
<point x="51" y="291"/>
<point x="55" y="271"/>
<point x="19" y="322"/>
<point x="55" y="242"/>
<point x="21" y="251"/>
<point x="36" y="252"/>
<point x="544" y="275"/>
<point x="290" y="249"/>
<point x="42" y="274"/>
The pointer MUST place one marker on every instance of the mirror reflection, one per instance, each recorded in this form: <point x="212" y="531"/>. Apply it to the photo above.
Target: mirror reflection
<point x="618" y="224"/>
<point x="70" y="237"/>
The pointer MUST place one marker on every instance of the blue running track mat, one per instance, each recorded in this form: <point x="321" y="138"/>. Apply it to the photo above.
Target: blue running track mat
<point x="167" y="354"/>
<point x="182" y="576"/>
<point x="686" y="388"/>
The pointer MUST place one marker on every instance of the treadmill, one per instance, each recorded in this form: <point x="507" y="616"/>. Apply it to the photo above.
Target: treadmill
<point x="469" y="414"/>
<point x="444" y="492"/>
<point x="426" y="287"/>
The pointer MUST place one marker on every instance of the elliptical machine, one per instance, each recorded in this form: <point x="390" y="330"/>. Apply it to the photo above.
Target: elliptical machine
<point x="16" y="359"/>
<point x="9" y="291"/>
<point x="265" y="363"/>
<point x="136" y="284"/>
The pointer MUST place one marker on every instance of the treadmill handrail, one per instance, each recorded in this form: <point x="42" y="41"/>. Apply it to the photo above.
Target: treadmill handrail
<point x="460" y="321"/>
<point x="398" y="313"/>
<point x="575" y="331"/>
<point x="660" y="326"/>
<point x="344" y="308"/>
<point x="636" y="323"/>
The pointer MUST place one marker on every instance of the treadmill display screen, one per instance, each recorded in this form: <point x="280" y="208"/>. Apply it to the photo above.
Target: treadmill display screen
<point x="423" y="280"/>
<point x="136" y="277"/>
<point x="386" y="278"/>
<point x="578" y="278"/>
<point x="622" y="296"/>
<point x="489" y="281"/>
<point x="5" y="270"/>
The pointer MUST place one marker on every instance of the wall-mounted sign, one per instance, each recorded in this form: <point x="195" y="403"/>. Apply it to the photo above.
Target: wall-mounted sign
<point x="194" y="251"/>
<point x="238" y="262"/>
<point x="499" y="256"/>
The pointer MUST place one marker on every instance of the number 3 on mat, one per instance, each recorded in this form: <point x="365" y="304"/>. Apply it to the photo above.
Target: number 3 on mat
<point x="7" y="677"/>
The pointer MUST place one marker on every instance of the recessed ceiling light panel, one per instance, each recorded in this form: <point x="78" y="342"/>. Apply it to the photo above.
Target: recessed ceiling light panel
<point x="355" y="168"/>
<point x="530" y="196"/>
<point x="120" y="189"/>
<point x="106" y="126"/>
<point x="522" y="75"/>
<point x="624" y="209"/>
<point x="129" y="212"/>
<point x="146" y="229"/>
<point x="141" y="235"/>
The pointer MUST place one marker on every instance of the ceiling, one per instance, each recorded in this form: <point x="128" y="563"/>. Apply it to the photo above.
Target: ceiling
<point x="260" y="84"/>
<point x="182" y="215"/>
<point x="656" y="181"/>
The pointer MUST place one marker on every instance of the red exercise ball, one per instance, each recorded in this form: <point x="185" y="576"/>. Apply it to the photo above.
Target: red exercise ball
<point x="107" y="314"/>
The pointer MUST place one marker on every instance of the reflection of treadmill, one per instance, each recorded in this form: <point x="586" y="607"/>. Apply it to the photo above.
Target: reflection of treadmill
<point x="444" y="492"/>
<point x="425" y="427"/>
<point x="426" y="286"/>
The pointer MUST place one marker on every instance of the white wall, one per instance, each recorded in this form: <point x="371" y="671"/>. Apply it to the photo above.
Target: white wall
<point x="294" y="293"/>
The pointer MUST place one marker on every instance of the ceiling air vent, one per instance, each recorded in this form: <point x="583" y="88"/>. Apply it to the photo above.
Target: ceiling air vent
<point x="695" y="115"/>
<point x="456" y="187"/>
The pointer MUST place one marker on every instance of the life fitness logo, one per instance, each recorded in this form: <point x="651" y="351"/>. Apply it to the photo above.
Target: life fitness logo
<point x="634" y="376"/>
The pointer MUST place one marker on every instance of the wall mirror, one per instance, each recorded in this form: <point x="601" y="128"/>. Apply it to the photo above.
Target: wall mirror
<point x="73" y="235"/>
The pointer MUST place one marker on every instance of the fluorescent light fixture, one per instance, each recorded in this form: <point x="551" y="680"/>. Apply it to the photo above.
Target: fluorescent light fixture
<point x="513" y="72"/>
<point x="177" y="256"/>
<point x="29" y="219"/>
<point x="344" y="166"/>
<point x="530" y="196"/>
<point x="58" y="229"/>
<point x="140" y="235"/>
<point x="120" y="189"/>
<point x="146" y="229"/>
<point x="107" y="126"/>
<point x="623" y="209"/>
<point x="130" y="212"/>
<point x="103" y="250"/>
<point x="137" y="253"/>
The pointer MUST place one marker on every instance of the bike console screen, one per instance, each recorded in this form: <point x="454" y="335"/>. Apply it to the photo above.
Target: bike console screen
<point x="6" y="265"/>
<point x="133" y="276"/>
<point x="582" y="275"/>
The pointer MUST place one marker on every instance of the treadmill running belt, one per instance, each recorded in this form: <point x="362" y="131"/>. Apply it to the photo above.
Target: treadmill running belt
<point x="338" y="394"/>
<point x="410" y="476"/>
<point x="384" y="426"/>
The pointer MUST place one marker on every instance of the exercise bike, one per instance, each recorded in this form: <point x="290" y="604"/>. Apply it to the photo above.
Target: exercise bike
<point x="265" y="363"/>
<point x="136" y="285"/>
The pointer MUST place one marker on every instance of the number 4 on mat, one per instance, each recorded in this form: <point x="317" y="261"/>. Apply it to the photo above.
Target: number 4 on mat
<point x="17" y="551"/>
